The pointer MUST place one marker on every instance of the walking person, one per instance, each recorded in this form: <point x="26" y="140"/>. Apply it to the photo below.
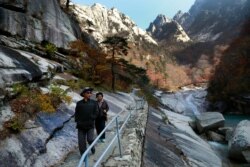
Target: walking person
<point x="102" y="116"/>
<point x="86" y="112"/>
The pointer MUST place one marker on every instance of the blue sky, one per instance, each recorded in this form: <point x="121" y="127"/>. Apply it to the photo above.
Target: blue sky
<point x="143" y="11"/>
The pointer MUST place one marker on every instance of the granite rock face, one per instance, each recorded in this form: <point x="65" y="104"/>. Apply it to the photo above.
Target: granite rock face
<point x="38" y="20"/>
<point x="178" y="145"/>
<point x="20" y="66"/>
<point x="45" y="140"/>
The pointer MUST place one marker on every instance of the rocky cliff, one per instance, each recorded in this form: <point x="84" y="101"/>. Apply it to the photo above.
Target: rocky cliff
<point x="165" y="29"/>
<point x="49" y="137"/>
<point x="214" y="20"/>
<point x="101" y="21"/>
<point x="21" y="66"/>
<point x="37" y="20"/>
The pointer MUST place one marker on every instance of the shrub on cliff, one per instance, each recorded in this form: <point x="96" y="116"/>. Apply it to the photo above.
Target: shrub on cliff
<point x="33" y="100"/>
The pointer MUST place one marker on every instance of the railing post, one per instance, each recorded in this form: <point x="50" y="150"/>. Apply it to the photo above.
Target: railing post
<point x="86" y="161"/>
<point x="118" y="137"/>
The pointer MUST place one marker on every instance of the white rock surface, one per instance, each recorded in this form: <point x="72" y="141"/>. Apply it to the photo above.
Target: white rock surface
<point x="196" y="153"/>
<point x="101" y="21"/>
<point x="183" y="123"/>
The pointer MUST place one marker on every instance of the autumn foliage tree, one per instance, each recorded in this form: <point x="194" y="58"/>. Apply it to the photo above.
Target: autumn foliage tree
<point x="88" y="63"/>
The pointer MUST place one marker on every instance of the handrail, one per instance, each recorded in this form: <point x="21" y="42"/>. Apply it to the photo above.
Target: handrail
<point x="84" y="157"/>
<point x="95" y="141"/>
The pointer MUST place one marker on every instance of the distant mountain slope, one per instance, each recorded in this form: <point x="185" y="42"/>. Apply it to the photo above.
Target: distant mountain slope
<point x="165" y="29"/>
<point x="214" y="20"/>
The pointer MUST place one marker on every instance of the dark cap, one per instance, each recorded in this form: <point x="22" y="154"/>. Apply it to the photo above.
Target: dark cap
<point x="86" y="89"/>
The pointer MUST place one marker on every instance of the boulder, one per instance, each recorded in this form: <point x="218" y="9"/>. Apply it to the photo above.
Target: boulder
<point x="209" y="120"/>
<point x="215" y="136"/>
<point x="224" y="130"/>
<point x="239" y="145"/>
<point x="227" y="132"/>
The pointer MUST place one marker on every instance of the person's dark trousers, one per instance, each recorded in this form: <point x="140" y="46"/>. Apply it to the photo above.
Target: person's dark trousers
<point x="100" y="125"/>
<point x="83" y="137"/>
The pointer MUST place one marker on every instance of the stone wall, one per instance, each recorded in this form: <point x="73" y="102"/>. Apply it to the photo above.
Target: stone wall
<point x="132" y="141"/>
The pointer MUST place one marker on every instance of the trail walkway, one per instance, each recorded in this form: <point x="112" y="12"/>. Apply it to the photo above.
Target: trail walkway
<point x="73" y="158"/>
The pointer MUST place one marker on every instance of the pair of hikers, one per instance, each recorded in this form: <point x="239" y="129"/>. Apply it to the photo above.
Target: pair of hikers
<point x="90" y="114"/>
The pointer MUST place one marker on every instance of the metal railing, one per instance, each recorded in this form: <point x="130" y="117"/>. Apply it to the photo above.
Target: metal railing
<point x="84" y="158"/>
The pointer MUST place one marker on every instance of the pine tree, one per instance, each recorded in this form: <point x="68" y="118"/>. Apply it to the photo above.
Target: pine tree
<point x="117" y="46"/>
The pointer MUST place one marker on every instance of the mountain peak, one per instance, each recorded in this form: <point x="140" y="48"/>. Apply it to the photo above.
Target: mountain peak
<point x="98" y="5"/>
<point x="214" y="20"/>
<point x="165" y="29"/>
<point x="178" y="15"/>
<point x="161" y="20"/>
<point x="106" y="21"/>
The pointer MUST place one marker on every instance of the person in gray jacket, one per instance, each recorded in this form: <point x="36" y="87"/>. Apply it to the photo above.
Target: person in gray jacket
<point x="86" y="112"/>
<point x="103" y="115"/>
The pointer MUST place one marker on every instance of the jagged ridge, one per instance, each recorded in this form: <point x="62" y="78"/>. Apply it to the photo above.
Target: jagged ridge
<point x="165" y="29"/>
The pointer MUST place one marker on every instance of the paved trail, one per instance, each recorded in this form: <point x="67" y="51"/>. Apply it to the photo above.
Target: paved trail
<point x="73" y="158"/>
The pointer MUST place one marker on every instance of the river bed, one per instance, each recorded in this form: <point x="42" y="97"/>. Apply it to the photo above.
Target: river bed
<point x="192" y="103"/>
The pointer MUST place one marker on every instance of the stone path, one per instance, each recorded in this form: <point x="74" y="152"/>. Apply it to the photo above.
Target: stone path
<point x="73" y="158"/>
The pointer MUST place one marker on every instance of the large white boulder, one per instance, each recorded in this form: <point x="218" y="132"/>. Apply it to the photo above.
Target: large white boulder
<point x="209" y="120"/>
<point x="239" y="145"/>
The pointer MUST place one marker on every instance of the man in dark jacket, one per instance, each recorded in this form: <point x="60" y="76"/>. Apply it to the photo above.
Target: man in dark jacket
<point x="102" y="117"/>
<point x="86" y="112"/>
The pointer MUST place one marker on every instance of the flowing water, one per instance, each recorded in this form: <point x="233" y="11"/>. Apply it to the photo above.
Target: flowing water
<point x="192" y="103"/>
<point x="232" y="120"/>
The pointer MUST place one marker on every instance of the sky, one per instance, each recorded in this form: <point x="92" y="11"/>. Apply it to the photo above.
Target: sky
<point x="142" y="12"/>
